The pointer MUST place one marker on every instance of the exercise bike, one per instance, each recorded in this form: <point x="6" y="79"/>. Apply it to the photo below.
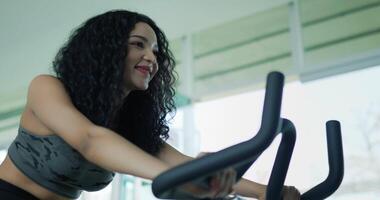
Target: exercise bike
<point x="241" y="156"/>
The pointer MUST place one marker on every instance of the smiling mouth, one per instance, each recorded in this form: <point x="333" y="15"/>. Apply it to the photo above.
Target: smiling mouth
<point x="144" y="70"/>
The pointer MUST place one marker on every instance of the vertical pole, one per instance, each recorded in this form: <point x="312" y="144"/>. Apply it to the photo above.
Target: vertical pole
<point x="191" y="138"/>
<point x="296" y="37"/>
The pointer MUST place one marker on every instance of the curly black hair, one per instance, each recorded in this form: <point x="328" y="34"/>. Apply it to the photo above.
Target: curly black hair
<point x="91" y="67"/>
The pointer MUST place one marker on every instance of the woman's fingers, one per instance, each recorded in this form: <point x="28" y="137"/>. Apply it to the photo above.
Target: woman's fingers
<point x="291" y="192"/>
<point x="227" y="181"/>
<point x="220" y="186"/>
<point x="225" y="184"/>
<point x="231" y="180"/>
<point x="191" y="189"/>
<point x="214" y="185"/>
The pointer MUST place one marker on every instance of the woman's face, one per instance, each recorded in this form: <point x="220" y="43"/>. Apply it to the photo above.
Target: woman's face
<point x="141" y="64"/>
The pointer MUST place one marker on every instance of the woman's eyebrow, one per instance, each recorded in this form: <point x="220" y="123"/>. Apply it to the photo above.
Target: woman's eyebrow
<point x="139" y="36"/>
<point x="145" y="40"/>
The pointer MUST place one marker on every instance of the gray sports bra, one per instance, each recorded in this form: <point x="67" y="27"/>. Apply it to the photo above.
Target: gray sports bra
<point x="55" y="165"/>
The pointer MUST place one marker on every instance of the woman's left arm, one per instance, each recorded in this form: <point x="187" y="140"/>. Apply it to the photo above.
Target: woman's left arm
<point x="172" y="156"/>
<point x="244" y="187"/>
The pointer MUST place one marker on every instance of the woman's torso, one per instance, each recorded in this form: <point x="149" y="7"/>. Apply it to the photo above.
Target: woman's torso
<point x="10" y="173"/>
<point x="38" y="156"/>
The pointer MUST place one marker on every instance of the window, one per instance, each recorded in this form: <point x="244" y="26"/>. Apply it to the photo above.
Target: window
<point x="351" y="98"/>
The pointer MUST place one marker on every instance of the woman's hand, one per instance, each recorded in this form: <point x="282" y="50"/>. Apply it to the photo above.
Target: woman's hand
<point x="287" y="193"/>
<point x="221" y="183"/>
<point x="219" y="186"/>
<point x="290" y="193"/>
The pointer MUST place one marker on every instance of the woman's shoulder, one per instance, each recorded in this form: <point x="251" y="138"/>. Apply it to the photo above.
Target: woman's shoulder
<point x="45" y="81"/>
<point x="45" y="85"/>
<point x="45" y="78"/>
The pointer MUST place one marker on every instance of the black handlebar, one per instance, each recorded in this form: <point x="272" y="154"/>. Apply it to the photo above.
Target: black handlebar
<point x="336" y="164"/>
<point x="282" y="160"/>
<point x="241" y="156"/>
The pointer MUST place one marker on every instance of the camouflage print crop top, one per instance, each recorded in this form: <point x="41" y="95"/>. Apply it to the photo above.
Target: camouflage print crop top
<point x="52" y="163"/>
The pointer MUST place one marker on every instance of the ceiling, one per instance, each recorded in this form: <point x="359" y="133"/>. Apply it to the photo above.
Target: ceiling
<point x="232" y="45"/>
<point x="32" y="31"/>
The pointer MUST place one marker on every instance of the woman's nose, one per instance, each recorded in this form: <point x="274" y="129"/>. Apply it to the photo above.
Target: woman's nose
<point x="150" y="56"/>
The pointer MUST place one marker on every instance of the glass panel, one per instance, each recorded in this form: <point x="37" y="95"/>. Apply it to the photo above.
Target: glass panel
<point x="3" y="154"/>
<point x="136" y="188"/>
<point x="349" y="98"/>
<point x="237" y="54"/>
<point x="339" y="29"/>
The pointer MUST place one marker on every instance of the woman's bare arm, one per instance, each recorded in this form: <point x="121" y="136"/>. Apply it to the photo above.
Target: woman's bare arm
<point x="244" y="187"/>
<point x="51" y="104"/>
<point x="172" y="156"/>
<point x="249" y="188"/>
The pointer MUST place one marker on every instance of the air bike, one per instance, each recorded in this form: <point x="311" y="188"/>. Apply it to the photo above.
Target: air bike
<point x="241" y="156"/>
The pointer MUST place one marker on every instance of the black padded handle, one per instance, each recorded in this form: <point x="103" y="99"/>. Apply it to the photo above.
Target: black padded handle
<point x="242" y="155"/>
<point x="336" y="164"/>
<point x="239" y="156"/>
<point x="282" y="161"/>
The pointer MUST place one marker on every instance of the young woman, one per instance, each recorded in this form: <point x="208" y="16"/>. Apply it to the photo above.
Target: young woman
<point x="104" y="112"/>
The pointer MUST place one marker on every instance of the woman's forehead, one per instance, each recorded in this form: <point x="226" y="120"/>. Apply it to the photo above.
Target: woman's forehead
<point x="142" y="29"/>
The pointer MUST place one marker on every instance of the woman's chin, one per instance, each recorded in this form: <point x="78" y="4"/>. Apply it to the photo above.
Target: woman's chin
<point x="139" y="85"/>
<point x="142" y="87"/>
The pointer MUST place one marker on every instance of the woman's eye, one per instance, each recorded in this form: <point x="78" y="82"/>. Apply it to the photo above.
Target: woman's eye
<point x="138" y="44"/>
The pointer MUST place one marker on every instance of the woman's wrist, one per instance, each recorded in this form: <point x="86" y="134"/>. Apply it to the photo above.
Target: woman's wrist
<point x="250" y="189"/>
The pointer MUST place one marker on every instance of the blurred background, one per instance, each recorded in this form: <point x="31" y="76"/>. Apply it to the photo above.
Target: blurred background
<point x="329" y="51"/>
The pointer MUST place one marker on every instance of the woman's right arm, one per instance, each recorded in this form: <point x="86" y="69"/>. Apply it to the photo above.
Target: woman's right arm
<point x="51" y="104"/>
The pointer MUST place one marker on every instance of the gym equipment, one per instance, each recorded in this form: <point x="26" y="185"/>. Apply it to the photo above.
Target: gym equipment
<point x="241" y="156"/>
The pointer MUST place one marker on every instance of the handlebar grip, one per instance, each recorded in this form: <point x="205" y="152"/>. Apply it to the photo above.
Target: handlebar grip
<point x="336" y="164"/>
<point x="240" y="156"/>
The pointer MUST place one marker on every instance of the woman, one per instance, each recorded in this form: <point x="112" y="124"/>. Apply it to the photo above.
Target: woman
<point x="104" y="111"/>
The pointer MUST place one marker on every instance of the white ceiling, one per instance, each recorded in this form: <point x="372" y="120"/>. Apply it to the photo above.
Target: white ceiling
<point x="32" y="31"/>
<point x="234" y="44"/>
